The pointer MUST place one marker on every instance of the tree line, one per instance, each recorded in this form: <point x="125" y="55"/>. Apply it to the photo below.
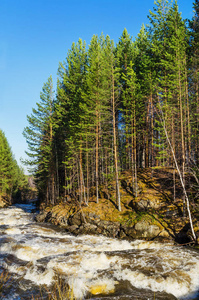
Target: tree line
<point x="13" y="182"/>
<point x="112" y="105"/>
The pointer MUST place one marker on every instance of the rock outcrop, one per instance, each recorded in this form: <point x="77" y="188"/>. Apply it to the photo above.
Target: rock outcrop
<point x="90" y="223"/>
<point x="3" y="203"/>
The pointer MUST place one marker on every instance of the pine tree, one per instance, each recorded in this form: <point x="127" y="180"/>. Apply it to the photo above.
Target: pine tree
<point x="112" y="88"/>
<point x="6" y="166"/>
<point x="72" y="115"/>
<point x="12" y="178"/>
<point x="158" y="32"/>
<point x="133" y="108"/>
<point x="178" y="44"/>
<point x="124" y="54"/>
<point x="95" y="98"/>
<point x="194" y="80"/>
<point x="39" y="136"/>
<point x="169" y="45"/>
<point x="145" y="73"/>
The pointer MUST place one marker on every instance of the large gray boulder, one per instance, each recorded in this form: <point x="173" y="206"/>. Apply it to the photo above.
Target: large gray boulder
<point x="146" y="230"/>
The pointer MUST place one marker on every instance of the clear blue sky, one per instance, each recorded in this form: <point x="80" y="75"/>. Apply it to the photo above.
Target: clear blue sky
<point x="36" y="34"/>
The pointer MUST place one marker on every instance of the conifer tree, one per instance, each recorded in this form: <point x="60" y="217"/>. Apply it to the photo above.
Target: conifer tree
<point x="72" y="112"/>
<point x="194" y="79"/>
<point x="158" y="32"/>
<point x="112" y="89"/>
<point x="39" y="136"/>
<point x="95" y="81"/>
<point x="6" y="166"/>
<point x="12" y="178"/>
<point x="169" y="45"/>
<point x="177" y="84"/>
<point x="124" y="54"/>
<point x="145" y="73"/>
<point x="132" y="108"/>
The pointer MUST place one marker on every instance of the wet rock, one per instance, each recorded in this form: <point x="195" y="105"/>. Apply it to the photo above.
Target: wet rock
<point x="87" y="229"/>
<point x="3" y="204"/>
<point x="108" y="228"/>
<point x="185" y="235"/>
<point x="72" y="228"/>
<point x="76" y="219"/>
<point x="41" y="217"/>
<point x="90" y="223"/>
<point x="131" y="232"/>
<point x="122" y="234"/>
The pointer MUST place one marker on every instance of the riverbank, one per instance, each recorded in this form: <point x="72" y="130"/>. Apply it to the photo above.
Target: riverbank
<point x="153" y="215"/>
<point x="85" y="222"/>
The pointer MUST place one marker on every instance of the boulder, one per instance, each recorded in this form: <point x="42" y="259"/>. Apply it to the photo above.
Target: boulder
<point x="108" y="228"/>
<point x="130" y="232"/>
<point x="72" y="228"/>
<point x="2" y="203"/>
<point x="141" y="226"/>
<point x="152" y="231"/>
<point x="76" y="219"/>
<point x="92" y="218"/>
<point x="146" y="230"/>
<point x="41" y="217"/>
<point x="88" y="229"/>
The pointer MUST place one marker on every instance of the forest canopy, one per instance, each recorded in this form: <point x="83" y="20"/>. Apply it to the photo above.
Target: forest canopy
<point x="114" y="105"/>
<point x="12" y="178"/>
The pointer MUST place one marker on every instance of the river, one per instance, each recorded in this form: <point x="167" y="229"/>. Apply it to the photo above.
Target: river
<point x="94" y="267"/>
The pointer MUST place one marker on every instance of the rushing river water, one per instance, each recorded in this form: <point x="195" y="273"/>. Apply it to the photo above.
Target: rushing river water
<point x="94" y="267"/>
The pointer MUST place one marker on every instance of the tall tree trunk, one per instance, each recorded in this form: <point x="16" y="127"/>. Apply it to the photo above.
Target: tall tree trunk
<point x="87" y="170"/>
<point x="135" y="156"/>
<point x="52" y="168"/>
<point x="173" y="146"/>
<point x="182" y="135"/>
<point x="97" y="157"/>
<point x="115" y="146"/>
<point x="80" y="171"/>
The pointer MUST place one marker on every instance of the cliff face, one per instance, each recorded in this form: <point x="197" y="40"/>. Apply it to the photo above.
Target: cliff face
<point x="154" y="214"/>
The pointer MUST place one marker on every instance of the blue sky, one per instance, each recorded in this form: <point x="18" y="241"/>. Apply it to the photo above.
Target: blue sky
<point x="35" y="36"/>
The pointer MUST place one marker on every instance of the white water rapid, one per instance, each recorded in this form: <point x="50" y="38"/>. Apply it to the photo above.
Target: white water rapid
<point x="94" y="267"/>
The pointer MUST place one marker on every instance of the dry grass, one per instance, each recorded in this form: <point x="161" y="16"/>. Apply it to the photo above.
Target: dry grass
<point x="4" y="281"/>
<point x="59" y="291"/>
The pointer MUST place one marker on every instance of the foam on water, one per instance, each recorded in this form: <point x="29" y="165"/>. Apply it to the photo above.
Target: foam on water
<point x="12" y="231"/>
<point x="93" y="264"/>
<point x="38" y="277"/>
